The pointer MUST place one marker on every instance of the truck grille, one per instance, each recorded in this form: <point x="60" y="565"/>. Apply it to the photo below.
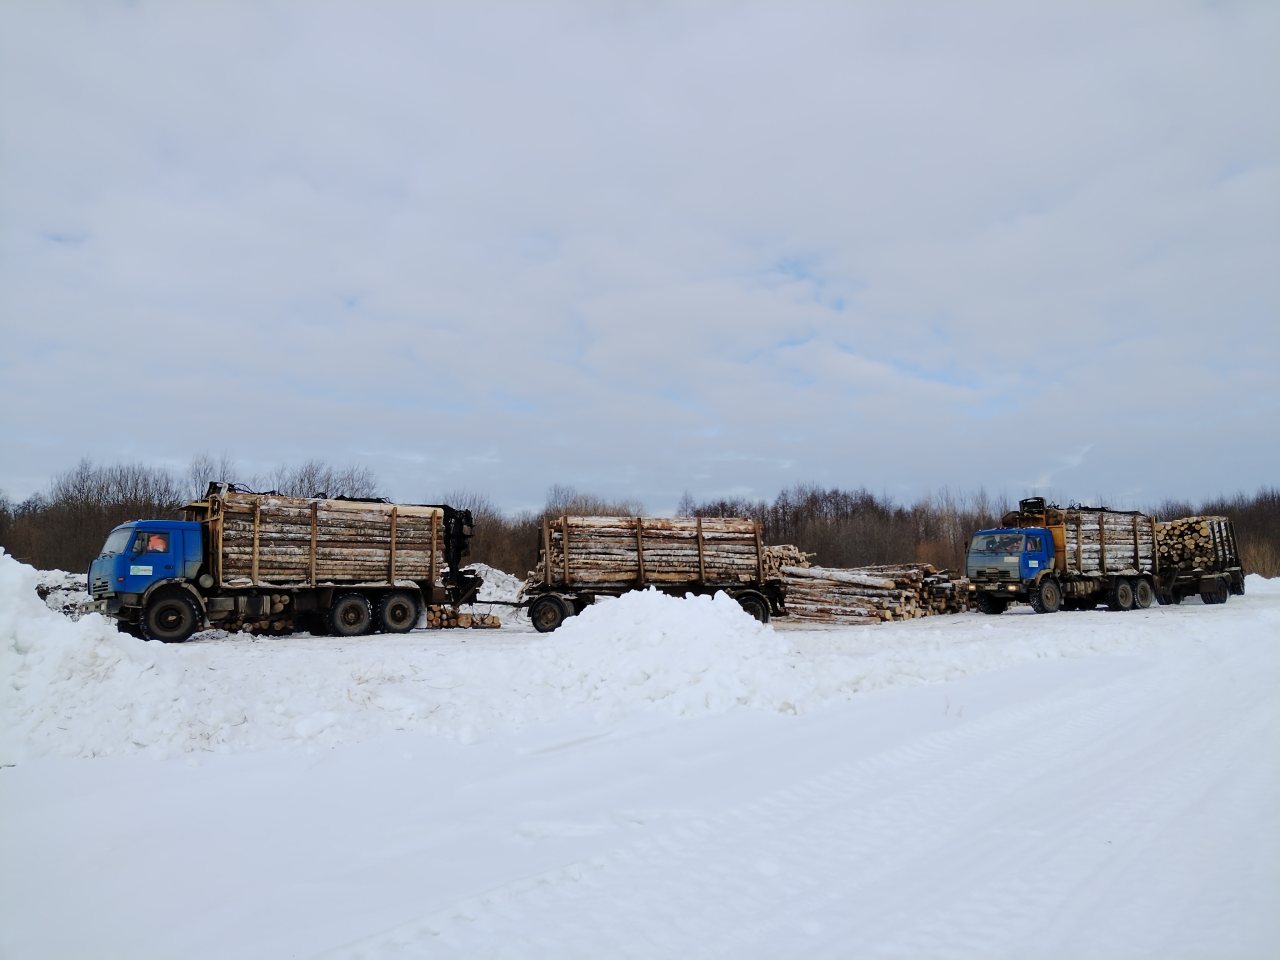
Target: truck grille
<point x="101" y="587"/>
<point x="995" y="573"/>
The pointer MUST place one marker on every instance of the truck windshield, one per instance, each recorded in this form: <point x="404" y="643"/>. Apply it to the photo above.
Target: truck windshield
<point x="996" y="544"/>
<point x="117" y="540"/>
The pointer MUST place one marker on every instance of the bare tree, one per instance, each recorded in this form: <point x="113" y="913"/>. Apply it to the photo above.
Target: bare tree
<point x="314" y="478"/>
<point x="204" y="470"/>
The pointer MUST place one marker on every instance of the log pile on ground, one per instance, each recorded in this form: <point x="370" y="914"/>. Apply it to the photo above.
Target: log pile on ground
<point x="1193" y="542"/>
<point x="441" y="617"/>
<point x="874" y="594"/>
<point x="784" y="555"/>
<point x="608" y="553"/>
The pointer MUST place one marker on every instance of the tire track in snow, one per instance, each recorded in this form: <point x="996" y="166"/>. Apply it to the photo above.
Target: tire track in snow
<point x="837" y="837"/>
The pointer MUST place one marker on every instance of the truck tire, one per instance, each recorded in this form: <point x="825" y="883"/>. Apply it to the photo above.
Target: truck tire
<point x="547" y="613"/>
<point x="989" y="603"/>
<point x="1121" y="595"/>
<point x="756" y="605"/>
<point x="1217" y="595"/>
<point x="1046" y="597"/>
<point x="170" y="618"/>
<point x="350" y="615"/>
<point x="1143" y="595"/>
<point x="397" y="612"/>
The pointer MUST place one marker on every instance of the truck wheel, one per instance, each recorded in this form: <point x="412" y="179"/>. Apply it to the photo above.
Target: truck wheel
<point x="1047" y="597"/>
<point x="397" y="612"/>
<point x="170" y="619"/>
<point x="1121" y="596"/>
<point x="987" y="603"/>
<point x="547" y="613"/>
<point x="350" y="615"/>
<point x="1143" y="595"/>
<point x="756" y="605"/>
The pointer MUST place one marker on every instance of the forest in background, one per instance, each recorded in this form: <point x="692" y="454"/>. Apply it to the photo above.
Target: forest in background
<point x="64" y="527"/>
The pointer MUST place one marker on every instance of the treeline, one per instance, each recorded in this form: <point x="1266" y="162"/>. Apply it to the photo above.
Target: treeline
<point x="64" y="527"/>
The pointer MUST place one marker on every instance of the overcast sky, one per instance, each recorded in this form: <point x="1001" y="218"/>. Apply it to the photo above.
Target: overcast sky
<point x="646" y="248"/>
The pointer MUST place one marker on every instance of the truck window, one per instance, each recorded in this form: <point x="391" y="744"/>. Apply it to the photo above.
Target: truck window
<point x="998" y="544"/>
<point x="1033" y="544"/>
<point x="117" y="541"/>
<point x="151" y="543"/>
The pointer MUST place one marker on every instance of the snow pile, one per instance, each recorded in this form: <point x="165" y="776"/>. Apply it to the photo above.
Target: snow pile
<point x="497" y="585"/>
<point x="57" y="675"/>
<point x="642" y="651"/>
<point x="62" y="592"/>
<point x="687" y="656"/>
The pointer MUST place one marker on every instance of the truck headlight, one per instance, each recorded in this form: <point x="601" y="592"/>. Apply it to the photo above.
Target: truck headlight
<point x="1013" y="588"/>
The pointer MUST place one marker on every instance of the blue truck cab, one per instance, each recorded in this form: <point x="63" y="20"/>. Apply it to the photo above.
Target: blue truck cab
<point x="137" y="559"/>
<point x="1008" y="562"/>
<point x="1009" y="554"/>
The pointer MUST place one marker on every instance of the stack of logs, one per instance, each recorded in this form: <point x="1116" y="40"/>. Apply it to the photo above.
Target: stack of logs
<point x="268" y="538"/>
<point x="612" y="552"/>
<point x="782" y="556"/>
<point x="873" y="594"/>
<point x="278" y="620"/>
<point x="1100" y="542"/>
<point x="1196" y="542"/>
<point x="441" y="617"/>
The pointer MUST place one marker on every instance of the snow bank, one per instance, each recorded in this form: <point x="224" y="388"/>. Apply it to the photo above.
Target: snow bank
<point x="73" y="682"/>
<point x="80" y="688"/>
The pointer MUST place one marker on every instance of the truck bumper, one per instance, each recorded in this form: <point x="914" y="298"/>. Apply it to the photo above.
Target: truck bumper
<point x="108" y="608"/>
<point x="123" y="607"/>
<point x="1003" y="588"/>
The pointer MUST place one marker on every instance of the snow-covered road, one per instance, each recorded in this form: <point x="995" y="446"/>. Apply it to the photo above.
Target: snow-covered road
<point x="1093" y="784"/>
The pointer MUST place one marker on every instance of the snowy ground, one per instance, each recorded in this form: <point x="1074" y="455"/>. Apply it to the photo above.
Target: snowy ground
<point x="659" y="778"/>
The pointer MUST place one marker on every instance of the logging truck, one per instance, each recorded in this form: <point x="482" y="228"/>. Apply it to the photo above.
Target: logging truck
<point x="582" y="558"/>
<point x="1080" y="557"/>
<point x="265" y="562"/>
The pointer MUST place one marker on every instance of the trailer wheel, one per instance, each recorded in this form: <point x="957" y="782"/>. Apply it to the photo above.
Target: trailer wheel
<point x="1217" y="595"/>
<point x="987" y="603"/>
<point x="756" y="605"/>
<point x="350" y="615"/>
<point x="1143" y="595"/>
<point x="1121" y="596"/>
<point x="547" y="613"/>
<point x="170" y="619"/>
<point x="397" y="612"/>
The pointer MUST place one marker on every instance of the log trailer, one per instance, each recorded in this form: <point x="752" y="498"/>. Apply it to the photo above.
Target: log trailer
<point x="1080" y="557"/>
<point x="587" y="557"/>
<point x="265" y="562"/>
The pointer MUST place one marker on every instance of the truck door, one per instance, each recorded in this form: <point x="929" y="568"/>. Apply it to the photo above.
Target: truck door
<point x="1037" y="554"/>
<point x="154" y="557"/>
